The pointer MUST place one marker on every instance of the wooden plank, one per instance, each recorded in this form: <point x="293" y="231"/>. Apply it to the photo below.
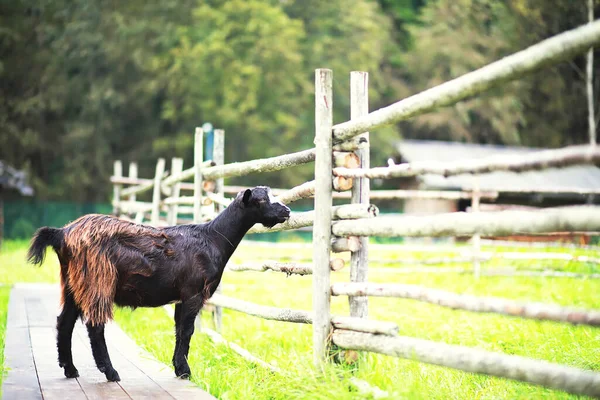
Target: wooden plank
<point x="134" y="383"/>
<point x="42" y="305"/>
<point x="92" y="381"/>
<point x="52" y="381"/>
<point x="160" y="373"/>
<point x="142" y="377"/>
<point x="21" y="381"/>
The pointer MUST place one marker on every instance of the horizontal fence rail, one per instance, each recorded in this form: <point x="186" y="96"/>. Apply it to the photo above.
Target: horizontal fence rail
<point x="307" y="190"/>
<point x="539" y="311"/>
<point x="365" y="325"/>
<point x="307" y="218"/>
<point x="302" y="191"/>
<point x="564" y="157"/>
<point x="495" y="271"/>
<point x="286" y="268"/>
<point x="265" y="312"/>
<point x="501" y="223"/>
<point x="421" y="194"/>
<point x="302" y="317"/>
<point x="569" y="379"/>
<point x="260" y="165"/>
<point x="550" y="51"/>
<point x="185" y="174"/>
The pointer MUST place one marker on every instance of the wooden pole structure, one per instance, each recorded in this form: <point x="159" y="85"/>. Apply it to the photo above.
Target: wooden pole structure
<point x="359" y="260"/>
<point x="118" y="172"/>
<point x="160" y="169"/>
<point x="133" y="173"/>
<point x="198" y="158"/>
<point x="323" y="202"/>
<point x="176" y="168"/>
<point x="476" y="237"/>
<point x="589" y="78"/>
<point x="219" y="159"/>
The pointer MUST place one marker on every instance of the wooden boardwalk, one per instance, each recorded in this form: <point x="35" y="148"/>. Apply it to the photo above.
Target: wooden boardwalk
<point x="31" y="356"/>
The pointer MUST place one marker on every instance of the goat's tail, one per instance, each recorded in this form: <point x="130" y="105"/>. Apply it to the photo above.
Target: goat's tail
<point x="43" y="238"/>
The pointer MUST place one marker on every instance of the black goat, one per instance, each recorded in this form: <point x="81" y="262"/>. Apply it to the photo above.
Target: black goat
<point x="105" y="260"/>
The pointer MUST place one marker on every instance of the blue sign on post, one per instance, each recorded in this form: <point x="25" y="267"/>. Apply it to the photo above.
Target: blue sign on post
<point x="209" y="135"/>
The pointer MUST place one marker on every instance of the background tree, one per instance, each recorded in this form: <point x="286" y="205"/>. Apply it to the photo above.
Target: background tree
<point x="83" y="83"/>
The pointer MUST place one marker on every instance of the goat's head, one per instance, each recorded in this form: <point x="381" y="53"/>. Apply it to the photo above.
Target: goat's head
<point x="262" y="207"/>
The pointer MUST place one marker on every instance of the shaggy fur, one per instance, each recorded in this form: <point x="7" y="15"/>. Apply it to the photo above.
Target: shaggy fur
<point x="105" y="260"/>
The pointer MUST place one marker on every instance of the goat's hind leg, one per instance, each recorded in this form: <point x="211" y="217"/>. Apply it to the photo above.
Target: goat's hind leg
<point x="100" y="352"/>
<point x="64" y="327"/>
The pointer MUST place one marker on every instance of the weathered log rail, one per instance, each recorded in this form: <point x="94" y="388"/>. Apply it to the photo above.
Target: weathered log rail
<point x="580" y="218"/>
<point x="556" y="376"/>
<point x="548" y="52"/>
<point x="539" y="311"/>
<point x="302" y="317"/>
<point x="568" y="156"/>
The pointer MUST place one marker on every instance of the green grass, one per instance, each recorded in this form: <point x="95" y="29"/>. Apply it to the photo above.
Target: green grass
<point x="288" y="346"/>
<point x="4" y="295"/>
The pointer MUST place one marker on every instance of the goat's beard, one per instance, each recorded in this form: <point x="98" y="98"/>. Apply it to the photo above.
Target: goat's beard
<point x="272" y="222"/>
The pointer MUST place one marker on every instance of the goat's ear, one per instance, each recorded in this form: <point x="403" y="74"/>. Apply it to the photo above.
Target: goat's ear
<point x="246" y="198"/>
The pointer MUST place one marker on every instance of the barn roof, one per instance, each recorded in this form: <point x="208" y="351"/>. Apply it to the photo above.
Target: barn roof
<point x="583" y="177"/>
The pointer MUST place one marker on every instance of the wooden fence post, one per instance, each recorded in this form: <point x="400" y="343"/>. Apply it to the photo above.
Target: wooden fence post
<point x="198" y="158"/>
<point x="219" y="159"/>
<point x="117" y="173"/>
<point x="589" y="81"/>
<point x="176" y="168"/>
<point x="322" y="225"/>
<point x="477" y="236"/>
<point x="133" y="174"/>
<point x="160" y="169"/>
<point x="359" y="260"/>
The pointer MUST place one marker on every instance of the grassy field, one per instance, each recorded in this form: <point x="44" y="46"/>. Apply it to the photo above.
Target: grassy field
<point x="288" y="346"/>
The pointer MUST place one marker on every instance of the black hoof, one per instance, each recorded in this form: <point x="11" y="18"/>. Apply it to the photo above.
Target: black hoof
<point x="71" y="371"/>
<point x="183" y="372"/>
<point x="112" y="375"/>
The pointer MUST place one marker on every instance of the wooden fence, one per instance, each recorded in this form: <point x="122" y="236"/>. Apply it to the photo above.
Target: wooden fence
<point x="334" y="227"/>
<point x="457" y="224"/>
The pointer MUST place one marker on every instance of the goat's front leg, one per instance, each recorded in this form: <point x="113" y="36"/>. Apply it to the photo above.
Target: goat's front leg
<point x="100" y="352"/>
<point x="185" y="316"/>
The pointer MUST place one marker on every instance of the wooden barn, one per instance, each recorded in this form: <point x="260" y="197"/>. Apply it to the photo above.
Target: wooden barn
<point x="549" y="187"/>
